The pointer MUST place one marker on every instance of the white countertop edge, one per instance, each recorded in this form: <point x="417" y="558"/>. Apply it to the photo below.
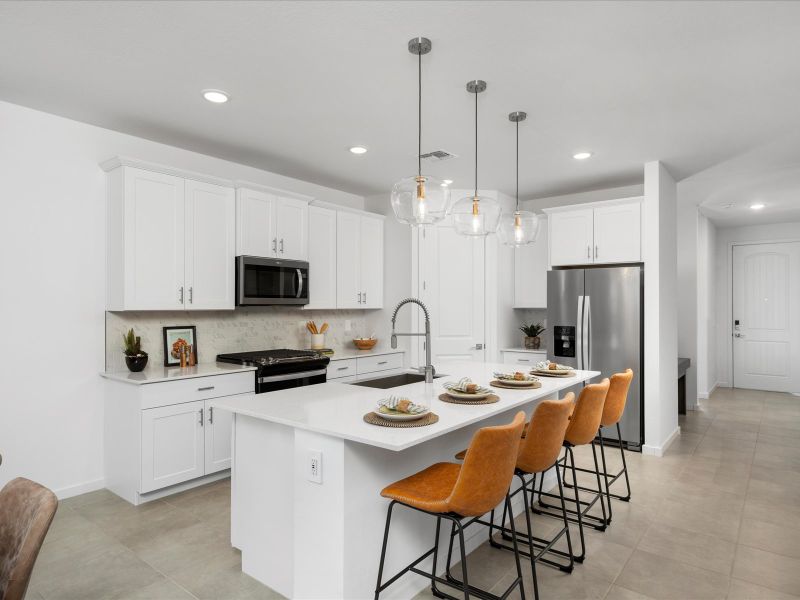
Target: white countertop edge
<point x="540" y="351"/>
<point x="348" y="353"/>
<point x="161" y="374"/>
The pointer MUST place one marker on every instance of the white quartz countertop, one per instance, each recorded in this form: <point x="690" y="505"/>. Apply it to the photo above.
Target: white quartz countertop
<point x="155" y="374"/>
<point x="338" y="409"/>
<point x="354" y="352"/>
<point x="539" y="351"/>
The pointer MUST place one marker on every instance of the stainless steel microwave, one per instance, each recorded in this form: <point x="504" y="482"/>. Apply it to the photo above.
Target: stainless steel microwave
<point x="264" y="281"/>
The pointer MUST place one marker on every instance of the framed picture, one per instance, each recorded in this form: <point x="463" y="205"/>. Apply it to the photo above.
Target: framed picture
<point x="175" y="337"/>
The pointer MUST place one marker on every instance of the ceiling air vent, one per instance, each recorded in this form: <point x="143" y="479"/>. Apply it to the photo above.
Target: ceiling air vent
<point x="438" y="155"/>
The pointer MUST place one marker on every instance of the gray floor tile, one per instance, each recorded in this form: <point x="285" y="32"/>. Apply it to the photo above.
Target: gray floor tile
<point x="694" y="548"/>
<point x="744" y="590"/>
<point x="660" y="577"/>
<point x="767" y="569"/>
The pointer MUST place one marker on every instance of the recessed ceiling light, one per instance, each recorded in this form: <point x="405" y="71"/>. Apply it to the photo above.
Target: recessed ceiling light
<point x="358" y="150"/>
<point x="757" y="206"/>
<point x="447" y="181"/>
<point x="215" y="96"/>
<point x="581" y="155"/>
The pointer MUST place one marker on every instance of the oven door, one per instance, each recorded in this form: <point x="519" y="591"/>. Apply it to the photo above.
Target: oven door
<point x="264" y="281"/>
<point x="272" y="383"/>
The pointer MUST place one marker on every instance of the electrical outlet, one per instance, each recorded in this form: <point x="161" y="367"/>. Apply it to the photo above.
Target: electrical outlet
<point x="347" y="326"/>
<point x="314" y="466"/>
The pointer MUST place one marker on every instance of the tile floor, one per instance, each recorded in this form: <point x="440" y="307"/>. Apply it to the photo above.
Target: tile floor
<point x="718" y="517"/>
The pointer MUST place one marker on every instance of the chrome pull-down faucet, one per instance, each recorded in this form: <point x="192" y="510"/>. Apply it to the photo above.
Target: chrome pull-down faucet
<point x="428" y="368"/>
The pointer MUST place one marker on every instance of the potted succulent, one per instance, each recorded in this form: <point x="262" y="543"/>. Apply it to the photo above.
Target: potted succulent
<point x="532" y="333"/>
<point x="135" y="357"/>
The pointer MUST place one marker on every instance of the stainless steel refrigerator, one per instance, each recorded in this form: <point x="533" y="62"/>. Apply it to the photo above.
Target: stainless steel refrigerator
<point x="595" y="322"/>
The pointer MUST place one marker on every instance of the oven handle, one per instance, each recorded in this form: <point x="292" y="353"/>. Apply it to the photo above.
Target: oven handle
<point x="290" y="376"/>
<point x="299" y="283"/>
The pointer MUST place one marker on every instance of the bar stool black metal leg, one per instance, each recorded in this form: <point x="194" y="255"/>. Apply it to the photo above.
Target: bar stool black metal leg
<point x="627" y="497"/>
<point x="383" y="548"/>
<point x="599" y="488"/>
<point x="434" y="590"/>
<point x="605" y="476"/>
<point x="463" y="548"/>
<point x="531" y="549"/>
<point x="566" y="521"/>
<point x="569" y="454"/>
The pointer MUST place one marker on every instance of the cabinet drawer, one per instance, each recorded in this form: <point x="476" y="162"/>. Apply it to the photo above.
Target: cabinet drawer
<point x="371" y="364"/>
<point x="527" y="359"/>
<point x="166" y="393"/>
<point x="342" y="368"/>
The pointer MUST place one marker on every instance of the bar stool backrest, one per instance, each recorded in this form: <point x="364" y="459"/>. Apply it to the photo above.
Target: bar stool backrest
<point x="542" y="444"/>
<point x="488" y="469"/>
<point x="585" y="419"/>
<point x="616" y="398"/>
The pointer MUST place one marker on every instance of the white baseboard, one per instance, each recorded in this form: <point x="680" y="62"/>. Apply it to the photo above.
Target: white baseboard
<point x="707" y="395"/>
<point x="660" y="450"/>
<point x="80" y="488"/>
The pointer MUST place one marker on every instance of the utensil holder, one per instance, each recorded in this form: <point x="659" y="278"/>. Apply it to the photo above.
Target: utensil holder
<point x="317" y="341"/>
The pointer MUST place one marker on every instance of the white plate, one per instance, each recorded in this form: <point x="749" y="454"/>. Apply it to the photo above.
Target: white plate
<point x="553" y="372"/>
<point x="516" y="382"/>
<point x="401" y="416"/>
<point x="465" y="396"/>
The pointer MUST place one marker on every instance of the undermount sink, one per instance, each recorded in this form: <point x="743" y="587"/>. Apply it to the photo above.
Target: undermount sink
<point x="393" y="381"/>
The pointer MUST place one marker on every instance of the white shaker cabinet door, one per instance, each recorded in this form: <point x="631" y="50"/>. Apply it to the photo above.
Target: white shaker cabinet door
<point x="255" y="224"/>
<point x="173" y="445"/>
<point x="322" y="258"/>
<point x="371" y="262"/>
<point x="571" y="237"/>
<point x="219" y="426"/>
<point x="154" y="241"/>
<point x="530" y="272"/>
<point x="210" y="246"/>
<point x="617" y="233"/>
<point x="348" y="260"/>
<point x="291" y="228"/>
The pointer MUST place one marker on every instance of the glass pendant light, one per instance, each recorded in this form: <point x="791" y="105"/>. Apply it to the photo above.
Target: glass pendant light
<point x="476" y="215"/>
<point x="421" y="199"/>
<point x="521" y="227"/>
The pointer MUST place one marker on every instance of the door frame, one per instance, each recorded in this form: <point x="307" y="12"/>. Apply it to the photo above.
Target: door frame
<point x="729" y="308"/>
<point x="491" y="353"/>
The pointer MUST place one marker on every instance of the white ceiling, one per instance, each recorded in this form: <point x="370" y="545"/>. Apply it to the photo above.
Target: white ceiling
<point x="692" y="84"/>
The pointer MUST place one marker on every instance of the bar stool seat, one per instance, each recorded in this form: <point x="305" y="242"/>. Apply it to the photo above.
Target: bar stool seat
<point x="427" y="490"/>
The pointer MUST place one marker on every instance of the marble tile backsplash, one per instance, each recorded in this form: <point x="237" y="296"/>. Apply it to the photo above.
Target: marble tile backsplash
<point x="241" y="330"/>
<point x="531" y="315"/>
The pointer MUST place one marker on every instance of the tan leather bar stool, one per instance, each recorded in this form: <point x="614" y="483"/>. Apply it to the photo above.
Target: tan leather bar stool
<point x="614" y="406"/>
<point x="539" y="453"/>
<point x="454" y="492"/>
<point x="583" y="426"/>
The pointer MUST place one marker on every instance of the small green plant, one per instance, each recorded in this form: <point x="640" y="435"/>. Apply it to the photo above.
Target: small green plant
<point x="532" y="330"/>
<point x="133" y="344"/>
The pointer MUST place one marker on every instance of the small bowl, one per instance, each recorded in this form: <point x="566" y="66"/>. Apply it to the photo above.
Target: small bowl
<point x="365" y="344"/>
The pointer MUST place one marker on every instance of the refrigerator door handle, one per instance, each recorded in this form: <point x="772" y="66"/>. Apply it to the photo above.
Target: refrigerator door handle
<point x="586" y="342"/>
<point x="579" y="333"/>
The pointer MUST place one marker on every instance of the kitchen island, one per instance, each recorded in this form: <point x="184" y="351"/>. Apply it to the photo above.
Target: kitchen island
<point x="322" y="539"/>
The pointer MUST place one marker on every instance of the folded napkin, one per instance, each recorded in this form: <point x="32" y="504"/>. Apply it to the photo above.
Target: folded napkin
<point x="401" y="405"/>
<point x="514" y="376"/>
<point x="465" y="386"/>
<point x="544" y="365"/>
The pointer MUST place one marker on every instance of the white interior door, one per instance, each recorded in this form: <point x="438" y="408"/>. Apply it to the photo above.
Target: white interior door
<point x="452" y="281"/>
<point x="766" y="317"/>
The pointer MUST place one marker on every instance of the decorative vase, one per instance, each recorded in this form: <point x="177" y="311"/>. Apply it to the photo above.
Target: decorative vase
<point x="532" y="343"/>
<point x="317" y="341"/>
<point x="136" y="363"/>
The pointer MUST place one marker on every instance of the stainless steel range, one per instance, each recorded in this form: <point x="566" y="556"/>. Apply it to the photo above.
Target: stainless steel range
<point x="282" y="369"/>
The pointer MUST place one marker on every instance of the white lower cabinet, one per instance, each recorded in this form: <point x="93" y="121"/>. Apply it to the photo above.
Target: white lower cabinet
<point x="523" y="359"/>
<point x="345" y="370"/>
<point x="167" y="433"/>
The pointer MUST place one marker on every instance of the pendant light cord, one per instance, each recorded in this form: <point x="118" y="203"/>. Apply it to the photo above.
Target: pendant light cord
<point x="476" y="144"/>
<point x="517" y="166"/>
<point x="419" y="113"/>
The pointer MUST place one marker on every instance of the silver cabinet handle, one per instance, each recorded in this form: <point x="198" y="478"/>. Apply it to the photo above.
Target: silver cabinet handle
<point x="201" y="417"/>
<point x="384" y="362"/>
<point x="343" y="368"/>
<point x="359" y="297"/>
<point x="205" y="389"/>
<point x="281" y="245"/>
<point x="523" y="360"/>
<point x="275" y="245"/>
<point x="210" y="415"/>
<point x="588" y="252"/>
<point x="191" y="295"/>
<point x="365" y="297"/>
<point x="180" y="295"/>
<point x="595" y="251"/>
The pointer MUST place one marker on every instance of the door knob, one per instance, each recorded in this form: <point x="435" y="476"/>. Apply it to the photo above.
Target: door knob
<point x="739" y="335"/>
<point x="478" y="346"/>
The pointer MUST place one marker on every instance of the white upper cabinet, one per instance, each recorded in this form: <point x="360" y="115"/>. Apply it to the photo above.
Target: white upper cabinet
<point x="271" y="226"/>
<point x="597" y="233"/>
<point x="359" y="261"/>
<point x="322" y="257"/>
<point x="210" y="245"/>
<point x="170" y="242"/>
<point x="571" y="237"/>
<point x="255" y="223"/>
<point x="371" y="262"/>
<point x="618" y="233"/>
<point x="530" y="272"/>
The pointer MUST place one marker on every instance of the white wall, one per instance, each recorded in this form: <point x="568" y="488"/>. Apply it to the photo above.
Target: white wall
<point x="725" y="239"/>
<point x="687" y="256"/>
<point x="52" y="194"/>
<point x="706" y="307"/>
<point x="659" y="223"/>
<point x="628" y="191"/>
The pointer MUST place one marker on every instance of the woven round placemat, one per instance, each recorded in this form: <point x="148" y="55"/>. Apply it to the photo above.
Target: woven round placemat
<point x="500" y="384"/>
<point x="375" y="419"/>
<point x="491" y="399"/>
